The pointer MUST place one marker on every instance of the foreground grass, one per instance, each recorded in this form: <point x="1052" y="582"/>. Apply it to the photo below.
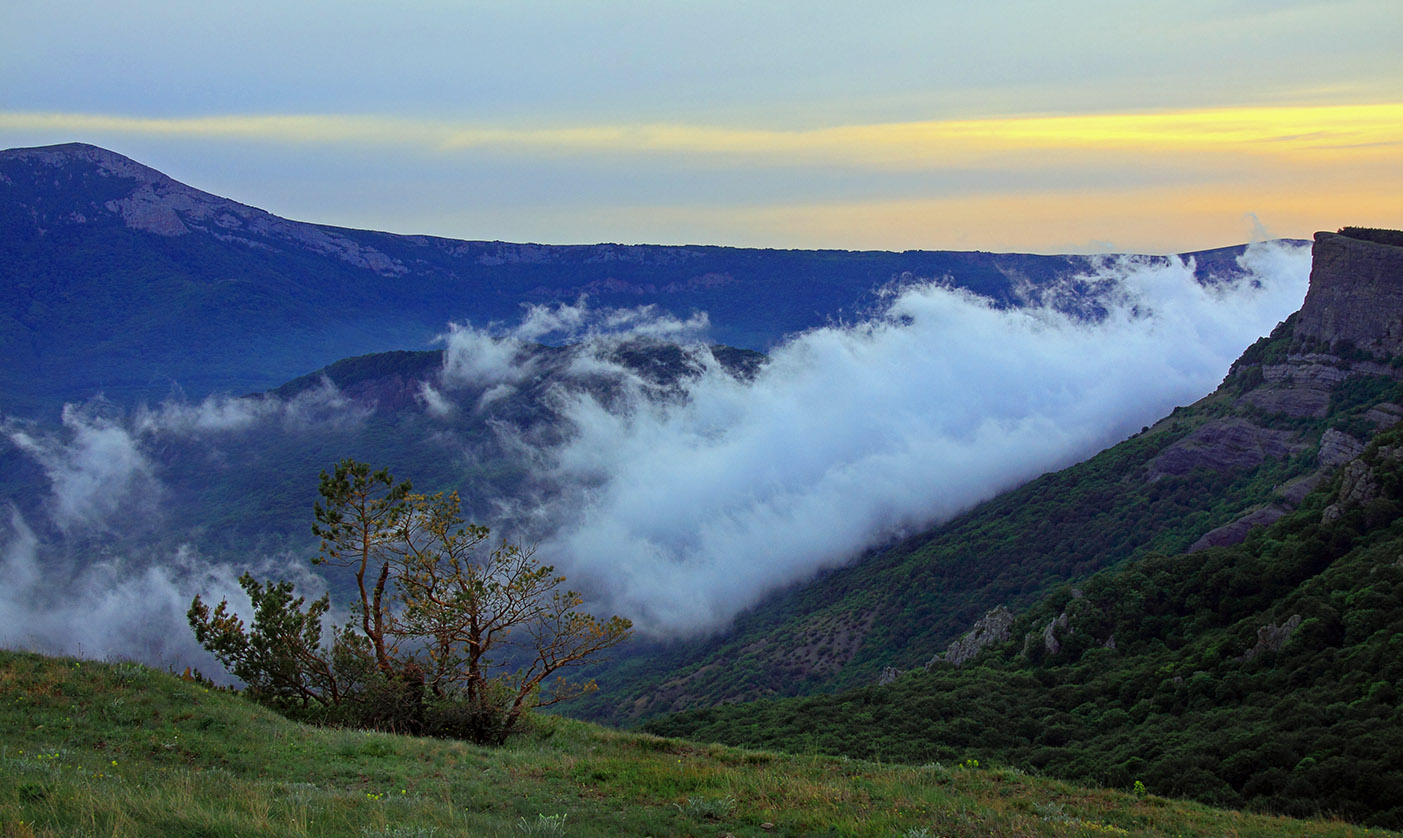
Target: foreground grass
<point x="119" y="749"/>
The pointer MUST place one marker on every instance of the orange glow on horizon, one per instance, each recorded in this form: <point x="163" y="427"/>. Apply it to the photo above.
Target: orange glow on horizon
<point x="1154" y="181"/>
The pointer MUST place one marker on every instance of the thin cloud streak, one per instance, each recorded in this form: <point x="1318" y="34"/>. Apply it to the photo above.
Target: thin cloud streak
<point x="1293" y="130"/>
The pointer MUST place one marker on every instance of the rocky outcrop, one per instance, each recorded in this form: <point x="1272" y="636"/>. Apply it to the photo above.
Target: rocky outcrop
<point x="1385" y="415"/>
<point x="1271" y="637"/>
<point x="988" y="630"/>
<point x="1236" y="531"/>
<point x="1357" y="487"/>
<point x="1051" y="644"/>
<point x="1356" y="292"/>
<point x="1358" y="484"/>
<point x="1299" y="388"/>
<point x="1338" y="448"/>
<point x="1228" y="444"/>
<point x="1059" y="629"/>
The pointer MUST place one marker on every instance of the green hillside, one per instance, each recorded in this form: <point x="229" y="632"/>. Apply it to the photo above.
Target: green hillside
<point x="123" y="750"/>
<point x="1265" y="674"/>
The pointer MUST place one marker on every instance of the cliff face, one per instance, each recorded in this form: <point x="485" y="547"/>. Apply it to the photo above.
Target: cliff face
<point x="1292" y="393"/>
<point x="1356" y="292"/>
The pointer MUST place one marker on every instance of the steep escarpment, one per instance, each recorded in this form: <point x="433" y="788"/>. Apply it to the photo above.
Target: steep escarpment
<point x="1356" y="297"/>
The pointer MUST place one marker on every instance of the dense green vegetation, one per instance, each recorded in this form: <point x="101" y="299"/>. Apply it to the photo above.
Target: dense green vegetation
<point x="123" y="750"/>
<point x="1162" y="675"/>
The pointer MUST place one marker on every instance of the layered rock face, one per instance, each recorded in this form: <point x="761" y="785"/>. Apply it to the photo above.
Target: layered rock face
<point x="1350" y="325"/>
<point x="1356" y="291"/>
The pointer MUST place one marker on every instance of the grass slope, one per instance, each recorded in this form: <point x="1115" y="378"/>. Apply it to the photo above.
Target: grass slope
<point x="121" y="749"/>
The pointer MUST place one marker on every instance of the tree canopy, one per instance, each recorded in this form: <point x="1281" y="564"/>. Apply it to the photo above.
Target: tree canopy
<point x="449" y="634"/>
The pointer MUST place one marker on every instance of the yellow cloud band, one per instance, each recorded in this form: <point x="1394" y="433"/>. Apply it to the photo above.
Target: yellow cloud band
<point x="1275" y="131"/>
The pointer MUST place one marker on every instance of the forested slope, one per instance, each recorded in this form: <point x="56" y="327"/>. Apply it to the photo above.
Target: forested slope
<point x="1265" y="674"/>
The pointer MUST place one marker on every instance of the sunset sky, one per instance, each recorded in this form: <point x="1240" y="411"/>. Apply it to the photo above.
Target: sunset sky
<point x="1075" y="126"/>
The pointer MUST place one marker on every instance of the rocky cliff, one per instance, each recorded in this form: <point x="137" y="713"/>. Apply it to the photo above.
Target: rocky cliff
<point x="1322" y="382"/>
<point x="1356" y="292"/>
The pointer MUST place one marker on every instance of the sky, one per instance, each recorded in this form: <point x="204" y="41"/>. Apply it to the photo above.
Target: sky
<point x="1006" y="125"/>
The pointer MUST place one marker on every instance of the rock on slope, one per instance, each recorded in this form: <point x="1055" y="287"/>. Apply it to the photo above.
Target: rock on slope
<point x="1349" y="329"/>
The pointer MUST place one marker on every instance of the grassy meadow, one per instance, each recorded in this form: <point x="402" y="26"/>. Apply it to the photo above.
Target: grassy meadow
<point x="90" y="748"/>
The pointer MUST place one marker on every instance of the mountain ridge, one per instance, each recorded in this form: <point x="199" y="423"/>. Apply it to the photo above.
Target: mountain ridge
<point x="116" y="278"/>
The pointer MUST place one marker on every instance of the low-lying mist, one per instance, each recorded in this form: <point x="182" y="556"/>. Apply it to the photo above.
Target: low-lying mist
<point x="683" y="512"/>
<point x="676" y="500"/>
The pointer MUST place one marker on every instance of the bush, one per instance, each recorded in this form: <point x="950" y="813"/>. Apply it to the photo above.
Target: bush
<point x="435" y="610"/>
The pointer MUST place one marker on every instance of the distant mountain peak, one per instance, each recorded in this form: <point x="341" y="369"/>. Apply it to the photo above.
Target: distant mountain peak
<point x="157" y="203"/>
<point x="107" y="162"/>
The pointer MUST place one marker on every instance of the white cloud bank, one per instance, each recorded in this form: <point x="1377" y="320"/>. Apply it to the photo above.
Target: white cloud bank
<point x="88" y="591"/>
<point x="115" y="608"/>
<point x="686" y="511"/>
<point x="95" y="472"/>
